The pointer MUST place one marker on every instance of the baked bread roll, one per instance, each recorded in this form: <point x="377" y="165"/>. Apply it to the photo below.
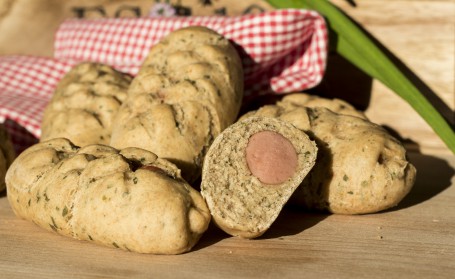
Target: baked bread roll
<point x="7" y="155"/>
<point x="84" y="103"/>
<point x="127" y="199"/>
<point x="188" y="90"/>
<point x="360" y="167"/>
<point x="339" y="106"/>
<point x="293" y="101"/>
<point x="251" y="170"/>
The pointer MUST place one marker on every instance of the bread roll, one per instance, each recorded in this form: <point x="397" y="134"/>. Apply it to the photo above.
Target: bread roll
<point x="188" y="90"/>
<point x="360" y="167"/>
<point x="84" y="104"/>
<point x="312" y="101"/>
<point x="251" y="170"/>
<point x="127" y="199"/>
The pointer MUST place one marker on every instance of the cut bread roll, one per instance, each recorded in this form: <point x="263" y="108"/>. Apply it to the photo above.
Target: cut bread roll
<point x="128" y="199"/>
<point x="360" y="169"/>
<point x="251" y="170"/>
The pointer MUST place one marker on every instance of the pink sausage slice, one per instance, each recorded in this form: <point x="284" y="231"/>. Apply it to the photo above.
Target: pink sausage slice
<point x="271" y="157"/>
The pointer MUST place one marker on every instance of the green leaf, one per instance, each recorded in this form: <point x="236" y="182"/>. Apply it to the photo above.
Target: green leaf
<point x="355" y="46"/>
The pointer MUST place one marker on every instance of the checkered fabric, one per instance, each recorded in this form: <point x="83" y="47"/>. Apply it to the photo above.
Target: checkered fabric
<point x="282" y="51"/>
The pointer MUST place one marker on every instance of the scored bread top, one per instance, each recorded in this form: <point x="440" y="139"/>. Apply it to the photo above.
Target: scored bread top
<point x="128" y="199"/>
<point x="189" y="89"/>
<point x="84" y="104"/>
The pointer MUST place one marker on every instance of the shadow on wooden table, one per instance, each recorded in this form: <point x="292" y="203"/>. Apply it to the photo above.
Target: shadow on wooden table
<point x="210" y="237"/>
<point x="433" y="176"/>
<point x="292" y="220"/>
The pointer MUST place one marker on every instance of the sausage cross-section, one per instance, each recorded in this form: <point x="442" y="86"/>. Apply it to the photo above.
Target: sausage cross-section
<point x="271" y="157"/>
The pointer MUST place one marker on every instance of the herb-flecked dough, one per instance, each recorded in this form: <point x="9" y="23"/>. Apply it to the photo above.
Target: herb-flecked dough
<point x="128" y="199"/>
<point x="84" y="104"/>
<point x="360" y="167"/>
<point x="189" y="89"/>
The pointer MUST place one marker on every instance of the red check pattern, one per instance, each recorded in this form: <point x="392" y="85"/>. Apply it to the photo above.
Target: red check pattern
<point x="282" y="51"/>
<point x="26" y="85"/>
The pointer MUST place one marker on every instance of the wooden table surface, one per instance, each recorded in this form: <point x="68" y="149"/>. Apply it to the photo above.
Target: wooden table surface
<point x="414" y="240"/>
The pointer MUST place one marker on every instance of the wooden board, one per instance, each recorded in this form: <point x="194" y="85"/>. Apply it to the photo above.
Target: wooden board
<point x="414" y="240"/>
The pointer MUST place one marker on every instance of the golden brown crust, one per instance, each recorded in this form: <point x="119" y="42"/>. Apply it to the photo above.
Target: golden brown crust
<point x="128" y="199"/>
<point x="84" y="104"/>
<point x="187" y="91"/>
<point x="360" y="168"/>
<point x="312" y="101"/>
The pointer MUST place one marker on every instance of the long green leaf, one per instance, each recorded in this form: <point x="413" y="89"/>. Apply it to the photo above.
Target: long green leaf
<point x="354" y="45"/>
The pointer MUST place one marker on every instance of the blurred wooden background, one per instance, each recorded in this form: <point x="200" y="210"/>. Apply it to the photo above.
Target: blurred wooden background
<point x="421" y="33"/>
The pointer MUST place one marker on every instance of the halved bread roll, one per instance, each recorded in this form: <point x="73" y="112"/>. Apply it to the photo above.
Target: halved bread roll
<point x="251" y="170"/>
<point x="360" y="169"/>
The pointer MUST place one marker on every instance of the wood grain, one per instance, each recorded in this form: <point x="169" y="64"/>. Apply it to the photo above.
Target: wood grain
<point x="414" y="240"/>
<point x="421" y="33"/>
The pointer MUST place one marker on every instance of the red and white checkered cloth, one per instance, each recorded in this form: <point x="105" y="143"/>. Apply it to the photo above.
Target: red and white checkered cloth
<point x="282" y="51"/>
